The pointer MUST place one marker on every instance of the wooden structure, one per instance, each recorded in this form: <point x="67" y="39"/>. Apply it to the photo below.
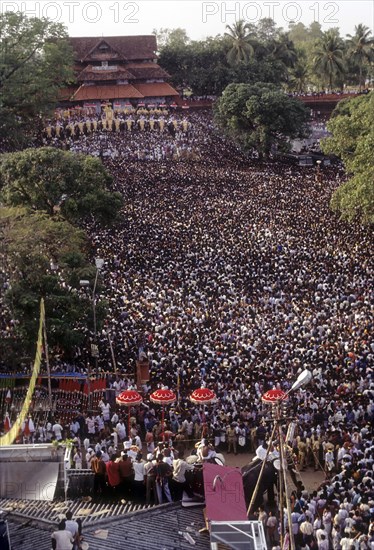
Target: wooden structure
<point x="117" y="71"/>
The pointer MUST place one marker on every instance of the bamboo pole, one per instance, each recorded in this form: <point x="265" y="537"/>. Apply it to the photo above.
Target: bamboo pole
<point x="257" y="486"/>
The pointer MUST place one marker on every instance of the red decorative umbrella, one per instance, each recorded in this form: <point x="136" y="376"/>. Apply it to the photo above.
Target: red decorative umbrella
<point x="129" y="398"/>
<point x="163" y="397"/>
<point x="272" y="396"/>
<point x="203" y="396"/>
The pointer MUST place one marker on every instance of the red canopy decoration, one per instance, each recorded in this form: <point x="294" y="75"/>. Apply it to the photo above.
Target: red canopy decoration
<point x="272" y="396"/>
<point x="129" y="398"/>
<point x="163" y="396"/>
<point x="203" y="396"/>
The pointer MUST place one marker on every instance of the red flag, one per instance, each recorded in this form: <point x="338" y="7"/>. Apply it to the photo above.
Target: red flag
<point x="26" y="430"/>
<point x="7" y="423"/>
<point x="8" y="397"/>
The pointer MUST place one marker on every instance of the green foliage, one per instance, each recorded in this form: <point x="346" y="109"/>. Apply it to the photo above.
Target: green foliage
<point x="171" y="37"/>
<point x="328" y="58"/>
<point x="352" y="129"/>
<point x="36" y="60"/>
<point x="299" y="73"/>
<point x="33" y="244"/>
<point x="303" y="36"/>
<point x="260" y="116"/>
<point x="267" y="30"/>
<point x="241" y="55"/>
<point x="51" y="180"/>
<point x="361" y="50"/>
<point x="301" y="59"/>
<point x="241" y="48"/>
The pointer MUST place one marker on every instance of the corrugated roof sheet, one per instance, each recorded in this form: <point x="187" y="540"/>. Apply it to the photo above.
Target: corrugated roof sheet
<point x="27" y="536"/>
<point x="48" y="511"/>
<point x="159" y="528"/>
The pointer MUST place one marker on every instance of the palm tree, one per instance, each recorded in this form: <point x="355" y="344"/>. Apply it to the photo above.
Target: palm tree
<point x="360" y="48"/>
<point x="329" y="56"/>
<point x="240" y="41"/>
<point x="283" y="49"/>
<point x="299" y="77"/>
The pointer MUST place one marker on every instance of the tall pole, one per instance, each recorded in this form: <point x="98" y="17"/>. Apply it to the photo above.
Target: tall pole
<point x="48" y="365"/>
<point x="254" y="495"/>
<point x="163" y="423"/>
<point x="94" y="350"/>
<point x="281" y="491"/>
<point x="111" y="351"/>
<point x="285" y="487"/>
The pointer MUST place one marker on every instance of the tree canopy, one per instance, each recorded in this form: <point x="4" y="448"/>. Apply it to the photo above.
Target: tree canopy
<point x="45" y="257"/>
<point x="360" y="49"/>
<point x="329" y="58"/>
<point x="36" y="60"/>
<point x="261" y="116"/>
<point x="51" y="180"/>
<point x="241" y="48"/>
<point x="301" y="58"/>
<point x="352" y="129"/>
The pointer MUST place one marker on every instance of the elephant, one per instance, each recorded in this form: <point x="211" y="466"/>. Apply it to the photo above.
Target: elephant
<point x="250" y="475"/>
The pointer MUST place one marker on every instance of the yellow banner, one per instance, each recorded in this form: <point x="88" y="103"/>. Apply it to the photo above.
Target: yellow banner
<point x="11" y="436"/>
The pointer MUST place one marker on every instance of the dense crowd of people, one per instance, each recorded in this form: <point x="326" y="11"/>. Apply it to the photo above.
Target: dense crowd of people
<point x="235" y="275"/>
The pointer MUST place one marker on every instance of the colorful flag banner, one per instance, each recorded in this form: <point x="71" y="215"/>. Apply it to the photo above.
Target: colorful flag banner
<point x="11" y="436"/>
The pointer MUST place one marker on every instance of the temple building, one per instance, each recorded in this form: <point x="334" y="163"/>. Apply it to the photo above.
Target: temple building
<point x="120" y="70"/>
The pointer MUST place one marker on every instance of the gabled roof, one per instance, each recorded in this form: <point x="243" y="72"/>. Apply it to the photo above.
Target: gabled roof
<point x="155" y="89"/>
<point x="96" y="47"/>
<point x="147" y="70"/>
<point x="129" y="47"/>
<point x="118" y="91"/>
<point x="64" y="94"/>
